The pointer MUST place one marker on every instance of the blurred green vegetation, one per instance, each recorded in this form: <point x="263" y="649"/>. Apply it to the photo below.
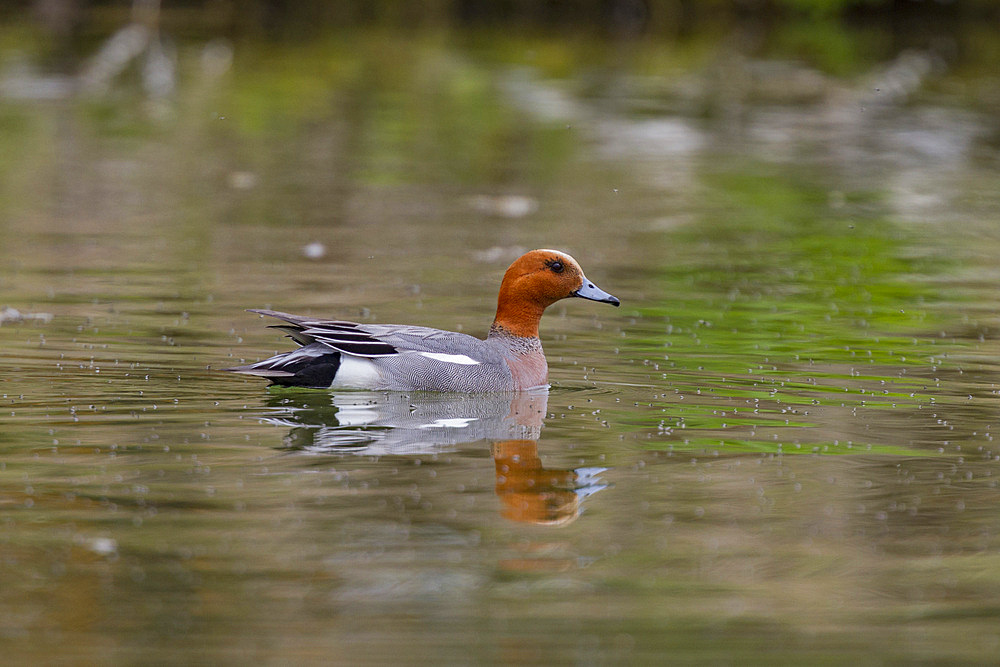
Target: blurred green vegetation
<point x="825" y="31"/>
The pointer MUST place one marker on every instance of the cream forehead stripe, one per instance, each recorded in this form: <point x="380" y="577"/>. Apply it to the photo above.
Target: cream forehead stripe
<point x="450" y="358"/>
<point x="560" y="253"/>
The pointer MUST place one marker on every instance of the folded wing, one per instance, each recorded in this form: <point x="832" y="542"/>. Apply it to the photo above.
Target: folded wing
<point x="384" y="340"/>
<point x="345" y="337"/>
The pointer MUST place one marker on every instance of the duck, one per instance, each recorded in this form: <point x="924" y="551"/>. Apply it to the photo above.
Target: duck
<point x="336" y="354"/>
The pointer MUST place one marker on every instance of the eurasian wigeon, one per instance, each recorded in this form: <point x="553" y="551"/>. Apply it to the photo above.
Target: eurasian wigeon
<point x="408" y="358"/>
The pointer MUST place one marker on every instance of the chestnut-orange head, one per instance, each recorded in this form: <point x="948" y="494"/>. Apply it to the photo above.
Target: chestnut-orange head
<point x="534" y="282"/>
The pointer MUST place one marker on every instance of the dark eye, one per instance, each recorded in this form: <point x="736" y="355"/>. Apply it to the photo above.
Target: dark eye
<point x="556" y="266"/>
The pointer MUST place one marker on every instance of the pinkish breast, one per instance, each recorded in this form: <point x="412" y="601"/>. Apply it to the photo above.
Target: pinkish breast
<point x="529" y="369"/>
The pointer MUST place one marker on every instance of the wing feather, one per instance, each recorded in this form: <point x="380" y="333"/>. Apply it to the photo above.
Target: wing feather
<point x="342" y="336"/>
<point x="382" y="340"/>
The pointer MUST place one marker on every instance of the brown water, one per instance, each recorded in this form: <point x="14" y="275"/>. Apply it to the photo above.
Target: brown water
<point x="780" y="448"/>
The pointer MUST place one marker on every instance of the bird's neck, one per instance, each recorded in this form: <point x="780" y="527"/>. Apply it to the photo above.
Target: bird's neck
<point x="516" y="315"/>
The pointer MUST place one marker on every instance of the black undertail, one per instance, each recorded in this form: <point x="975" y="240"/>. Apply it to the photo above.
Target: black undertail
<point x="317" y="372"/>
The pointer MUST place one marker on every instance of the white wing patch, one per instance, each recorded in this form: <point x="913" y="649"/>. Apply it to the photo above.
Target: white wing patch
<point x="450" y="358"/>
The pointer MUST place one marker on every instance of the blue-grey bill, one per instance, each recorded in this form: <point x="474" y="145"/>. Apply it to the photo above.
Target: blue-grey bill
<point x="591" y="291"/>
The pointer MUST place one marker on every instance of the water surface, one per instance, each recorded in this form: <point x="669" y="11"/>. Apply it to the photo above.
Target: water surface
<point x="780" y="448"/>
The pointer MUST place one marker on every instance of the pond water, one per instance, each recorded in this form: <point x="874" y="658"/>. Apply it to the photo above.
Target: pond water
<point x="779" y="449"/>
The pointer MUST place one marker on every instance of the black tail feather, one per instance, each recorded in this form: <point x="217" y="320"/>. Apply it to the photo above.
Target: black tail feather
<point x="316" y="372"/>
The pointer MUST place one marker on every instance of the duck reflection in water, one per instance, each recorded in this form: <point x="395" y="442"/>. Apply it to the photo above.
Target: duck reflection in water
<point x="395" y="424"/>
